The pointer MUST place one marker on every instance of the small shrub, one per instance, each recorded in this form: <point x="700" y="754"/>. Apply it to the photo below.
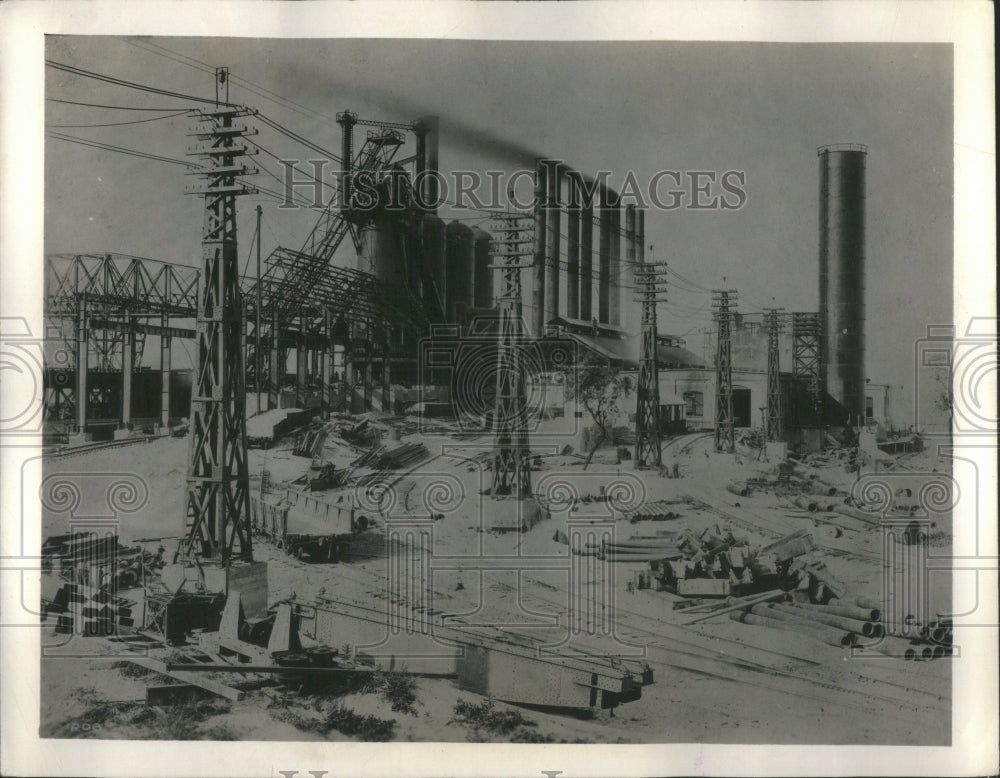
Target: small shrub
<point x="488" y="717"/>
<point x="370" y="728"/>
<point x="341" y="719"/>
<point x="132" y="670"/>
<point x="398" y="689"/>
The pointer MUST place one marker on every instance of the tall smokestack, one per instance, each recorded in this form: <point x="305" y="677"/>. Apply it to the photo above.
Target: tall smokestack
<point x="586" y="256"/>
<point x="538" y="261"/>
<point x="842" y="279"/>
<point x="615" y="291"/>
<point x="631" y="290"/>
<point x="430" y="131"/>
<point x="573" y="250"/>
<point x="553" y="222"/>
<point x="604" y="258"/>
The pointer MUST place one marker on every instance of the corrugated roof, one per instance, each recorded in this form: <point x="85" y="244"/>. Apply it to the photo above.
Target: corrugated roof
<point x="626" y="352"/>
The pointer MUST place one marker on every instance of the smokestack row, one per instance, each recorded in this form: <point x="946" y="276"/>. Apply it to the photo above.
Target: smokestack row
<point x="557" y="187"/>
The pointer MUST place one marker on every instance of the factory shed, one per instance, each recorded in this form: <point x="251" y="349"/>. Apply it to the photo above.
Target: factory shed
<point x="614" y="345"/>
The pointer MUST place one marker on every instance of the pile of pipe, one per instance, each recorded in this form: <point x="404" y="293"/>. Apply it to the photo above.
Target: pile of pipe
<point x="851" y="622"/>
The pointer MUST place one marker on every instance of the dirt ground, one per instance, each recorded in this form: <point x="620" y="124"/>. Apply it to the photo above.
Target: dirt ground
<point x="715" y="682"/>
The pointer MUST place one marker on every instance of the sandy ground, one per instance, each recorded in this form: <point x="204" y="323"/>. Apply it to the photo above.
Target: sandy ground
<point x="716" y="682"/>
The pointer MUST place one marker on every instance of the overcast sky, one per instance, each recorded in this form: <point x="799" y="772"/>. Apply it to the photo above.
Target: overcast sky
<point x="758" y="108"/>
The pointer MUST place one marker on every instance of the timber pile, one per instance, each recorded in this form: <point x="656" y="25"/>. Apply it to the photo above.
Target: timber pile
<point x="310" y="443"/>
<point x="655" y="510"/>
<point x="383" y="458"/>
<point x="712" y="564"/>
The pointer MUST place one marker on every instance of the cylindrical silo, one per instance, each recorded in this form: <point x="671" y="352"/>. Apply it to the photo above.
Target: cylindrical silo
<point x="381" y="251"/>
<point x="433" y="230"/>
<point x="460" y="267"/>
<point x="842" y="280"/>
<point x="483" y="276"/>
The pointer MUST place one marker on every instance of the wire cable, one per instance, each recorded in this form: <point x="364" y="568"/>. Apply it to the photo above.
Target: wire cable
<point x="120" y="149"/>
<point x="132" y="84"/>
<point x="109" y="107"/>
<point x="298" y="138"/>
<point x="117" y="124"/>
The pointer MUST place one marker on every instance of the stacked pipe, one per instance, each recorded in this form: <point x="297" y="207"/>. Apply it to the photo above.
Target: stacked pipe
<point x="851" y="623"/>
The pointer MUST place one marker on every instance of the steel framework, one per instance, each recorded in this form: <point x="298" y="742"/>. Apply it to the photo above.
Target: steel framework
<point x="647" y="397"/>
<point x="806" y="332"/>
<point x="725" y="436"/>
<point x="217" y="506"/>
<point x="774" y="420"/>
<point x="103" y="306"/>
<point x="511" y="470"/>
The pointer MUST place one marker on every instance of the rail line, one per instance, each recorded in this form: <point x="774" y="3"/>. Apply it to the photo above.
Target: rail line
<point x="85" y="448"/>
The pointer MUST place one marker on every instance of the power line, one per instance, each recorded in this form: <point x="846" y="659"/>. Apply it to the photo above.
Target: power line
<point x="120" y="149"/>
<point x="118" y="124"/>
<point x="131" y="84"/>
<point x="279" y="159"/>
<point x="296" y="137"/>
<point x="250" y="86"/>
<point x="110" y="107"/>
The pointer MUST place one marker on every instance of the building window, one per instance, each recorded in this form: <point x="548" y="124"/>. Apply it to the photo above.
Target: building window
<point x="869" y="408"/>
<point x="695" y="403"/>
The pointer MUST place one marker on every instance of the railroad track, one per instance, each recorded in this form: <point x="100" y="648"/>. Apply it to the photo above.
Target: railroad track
<point x="66" y="451"/>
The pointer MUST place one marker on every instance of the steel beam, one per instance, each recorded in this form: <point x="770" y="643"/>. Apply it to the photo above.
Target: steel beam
<point x="82" y="365"/>
<point x="165" y="342"/>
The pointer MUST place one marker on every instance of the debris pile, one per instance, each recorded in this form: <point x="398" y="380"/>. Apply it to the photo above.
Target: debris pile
<point x="383" y="458"/>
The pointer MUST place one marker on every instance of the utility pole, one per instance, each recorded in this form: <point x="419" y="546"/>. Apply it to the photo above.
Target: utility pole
<point x="511" y="470"/>
<point x="258" y="368"/>
<point x="217" y="501"/>
<point x="725" y="436"/>
<point x="647" y="395"/>
<point x="774" y="420"/>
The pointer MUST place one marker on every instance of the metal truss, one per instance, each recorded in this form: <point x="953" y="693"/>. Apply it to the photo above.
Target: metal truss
<point x="511" y="451"/>
<point x="774" y="419"/>
<point x="217" y="507"/>
<point x="647" y="397"/>
<point x="725" y="434"/>
<point x="806" y="331"/>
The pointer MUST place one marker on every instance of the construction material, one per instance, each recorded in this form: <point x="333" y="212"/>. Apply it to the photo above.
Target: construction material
<point x="866" y="628"/>
<point x="806" y="504"/>
<point x="743" y="602"/>
<point x="868" y="518"/>
<point x="703" y="587"/>
<point x="852" y="611"/>
<point x="655" y="510"/>
<point x="823" y="634"/>
<point x="790" y="546"/>
<point x="188" y="677"/>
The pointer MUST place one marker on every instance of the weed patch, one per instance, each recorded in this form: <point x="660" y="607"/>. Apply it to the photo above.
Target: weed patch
<point x="486" y="716"/>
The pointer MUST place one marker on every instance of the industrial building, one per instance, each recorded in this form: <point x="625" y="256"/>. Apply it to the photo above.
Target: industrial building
<point x="387" y="429"/>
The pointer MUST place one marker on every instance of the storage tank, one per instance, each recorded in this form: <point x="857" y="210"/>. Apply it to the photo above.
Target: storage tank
<point x="433" y="232"/>
<point x="483" y="276"/>
<point x="381" y="251"/>
<point x="460" y="266"/>
<point x="842" y="280"/>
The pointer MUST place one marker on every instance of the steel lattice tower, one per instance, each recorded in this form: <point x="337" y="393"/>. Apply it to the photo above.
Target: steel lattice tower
<point x="217" y="503"/>
<point x="725" y="437"/>
<point x="806" y="358"/>
<point x="774" y="421"/>
<point x="511" y="471"/>
<point x="647" y="397"/>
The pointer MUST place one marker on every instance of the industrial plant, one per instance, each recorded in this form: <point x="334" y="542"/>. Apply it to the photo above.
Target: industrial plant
<point x="434" y="473"/>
